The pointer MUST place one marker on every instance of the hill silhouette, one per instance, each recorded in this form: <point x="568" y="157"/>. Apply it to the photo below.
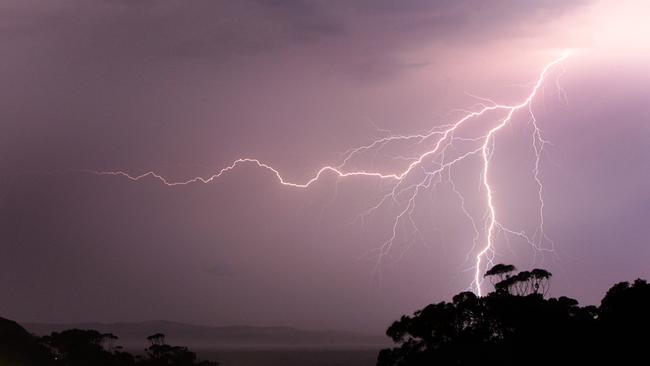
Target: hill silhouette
<point x="18" y="347"/>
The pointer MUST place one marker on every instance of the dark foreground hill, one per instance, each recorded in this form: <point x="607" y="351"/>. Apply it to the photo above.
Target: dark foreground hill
<point x="18" y="347"/>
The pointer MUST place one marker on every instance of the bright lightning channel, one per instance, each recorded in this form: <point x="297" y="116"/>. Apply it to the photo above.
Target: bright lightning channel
<point x="443" y="138"/>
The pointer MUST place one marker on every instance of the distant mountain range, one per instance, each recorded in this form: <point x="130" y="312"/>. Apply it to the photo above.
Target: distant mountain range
<point x="133" y="335"/>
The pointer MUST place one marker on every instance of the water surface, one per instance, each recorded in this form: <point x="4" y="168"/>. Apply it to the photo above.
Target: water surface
<point x="292" y="357"/>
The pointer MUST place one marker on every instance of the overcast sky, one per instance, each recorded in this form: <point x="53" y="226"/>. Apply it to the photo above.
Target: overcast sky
<point x="184" y="88"/>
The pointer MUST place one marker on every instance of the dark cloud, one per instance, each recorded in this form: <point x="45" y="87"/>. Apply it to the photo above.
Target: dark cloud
<point x="219" y="30"/>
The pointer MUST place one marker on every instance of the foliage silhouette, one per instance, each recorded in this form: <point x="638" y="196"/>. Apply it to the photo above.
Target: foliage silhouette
<point x="81" y="347"/>
<point x="156" y="339"/>
<point x="77" y="347"/>
<point x="160" y="353"/>
<point x="515" y="324"/>
<point x="502" y="271"/>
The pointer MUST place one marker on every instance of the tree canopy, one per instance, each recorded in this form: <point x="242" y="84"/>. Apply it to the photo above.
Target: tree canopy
<point x="85" y="347"/>
<point x="516" y="324"/>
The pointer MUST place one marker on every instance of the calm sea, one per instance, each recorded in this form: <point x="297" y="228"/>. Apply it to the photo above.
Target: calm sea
<point x="292" y="357"/>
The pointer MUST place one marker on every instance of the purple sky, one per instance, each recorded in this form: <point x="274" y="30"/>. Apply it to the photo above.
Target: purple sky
<point x="184" y="89"/>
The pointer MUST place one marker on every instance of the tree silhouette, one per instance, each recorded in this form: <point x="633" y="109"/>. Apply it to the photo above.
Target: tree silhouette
<point x="84" y="347"/>
<point x="625" y="318"/>
<point x="513" y="325"/>
<point x="161" y="354"/>
<point x="80" y="347"/>
<point x="516" y="325"/>
<point x="541" y="280"/>
<point x="157" y="339"/>
<point x="499" y="272"/>
<point x="523" y="283"/>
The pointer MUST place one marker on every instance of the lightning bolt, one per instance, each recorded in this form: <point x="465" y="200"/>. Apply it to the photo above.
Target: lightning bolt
<point x="423" y="171"/>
